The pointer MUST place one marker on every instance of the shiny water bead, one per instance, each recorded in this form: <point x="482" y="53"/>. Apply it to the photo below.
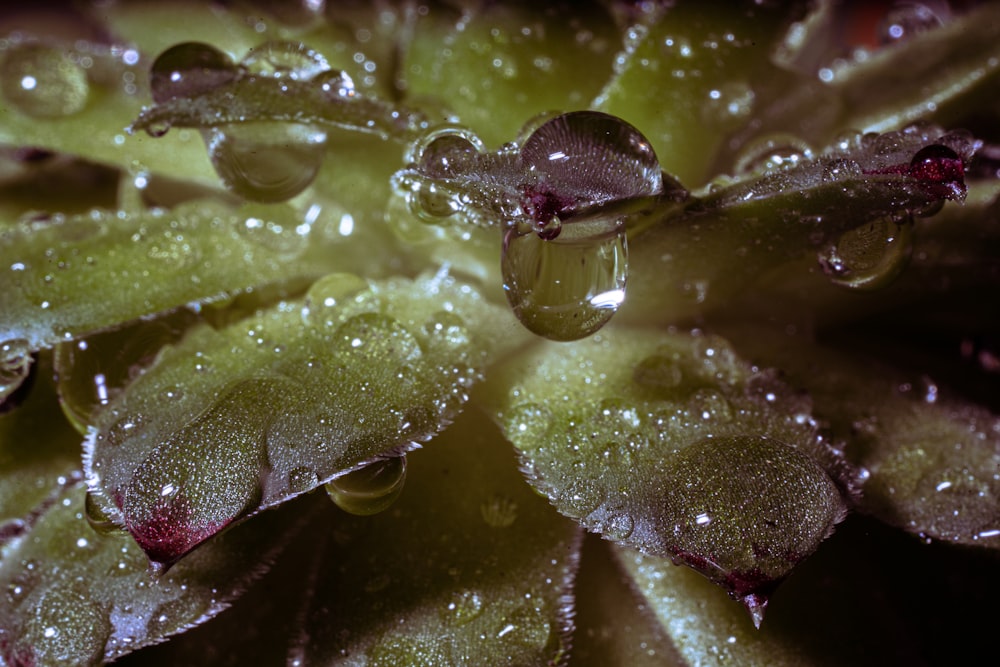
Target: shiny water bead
<point x="279" y="59"/>
<point x="584" y="158"/>
<point x="870" y="256"/>
<point x="779" y="151"/>
<point x="447" y="152"/>
<point x="941" y="169"/>
<point x="43" y="82"/>
<point x="189" y="69"/>
<point x="567" y="288"/>
<point x="92" y="370"/>
<point x="335" y="84"/>
<point x="371" y="489"/>
<point x="265" y="161"/>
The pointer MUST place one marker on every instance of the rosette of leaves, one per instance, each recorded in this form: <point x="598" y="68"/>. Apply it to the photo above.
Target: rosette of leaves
<point x="269" y="391"/>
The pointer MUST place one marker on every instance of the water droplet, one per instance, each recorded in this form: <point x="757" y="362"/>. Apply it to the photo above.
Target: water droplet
<point x="266" y="161"/>
<point x="580" y="498"/>
<point x="779" y="151"/>
<point x="98" y="519"/>
<point x="335" y="84"/>
<point x="302" y="479"/>
<point x="871" y="256"/>
<point x="499" y="511"/>
<point x="584" y="158"/>
<point x="371" y="489"/>
<point x="446" y="153"/>
<point x="617" y="527"/>
<point x="15" y="365"/>
<point x="93" y="370"/>
<point x="188" y="70"/>
<point x="941" y="170"/>
<point x="43" y="82"/>
<point x="567" y="288"/>
<point x="463" y="607"/>
<point x="333" y="290"/>
<point x="291" y="60"/>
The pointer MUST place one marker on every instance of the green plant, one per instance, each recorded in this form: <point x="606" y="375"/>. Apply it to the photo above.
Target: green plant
<point x="748" y="301"/>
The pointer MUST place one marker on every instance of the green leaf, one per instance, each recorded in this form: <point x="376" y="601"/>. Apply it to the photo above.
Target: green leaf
<point x="930" y="458"/>
<point x="74" y="596"/>
<point x="71" y="276"/>
<point x="234" y="421"/>
<point x="468" y="567"/>
<point x="521" y="58"/>
<point x="671" y="444"/>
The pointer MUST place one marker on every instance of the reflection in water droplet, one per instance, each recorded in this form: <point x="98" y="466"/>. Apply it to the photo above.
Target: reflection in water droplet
<point x="525" y="626"/>
<point x="333" y="290"/>
<point x="43" y="82"/>
<point x="98" y="518"/>
<point x="302" y="479"/>
<point x="871" y="256"/>
<point x="266" y="161"/>
<point x="188" y="70"/>
<point x="280" y="59"/>
<point x="371" y="489"/>
<point x="376" y="338"/>
<point x="446" y="153"/>
<point x="617" y="527"/>
<point x="780" y="151"/>
<point x="15" y="365"/>
<point x="941" y="170"/>
<point x="91" y="371"/>
<point x="568" y="288"/>
<point x="588" y="157"/>
<point x="335" y="84"/>
<point x="447" y="329"/>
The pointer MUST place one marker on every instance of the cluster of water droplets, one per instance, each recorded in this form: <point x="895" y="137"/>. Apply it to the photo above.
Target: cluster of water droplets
<point x="263" y="160"/>
<point x="560" y="194"/>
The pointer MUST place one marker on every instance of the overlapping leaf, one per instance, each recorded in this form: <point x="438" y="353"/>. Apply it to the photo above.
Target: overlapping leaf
<point x="672" y="445"/>
<point x="230" y="422"/>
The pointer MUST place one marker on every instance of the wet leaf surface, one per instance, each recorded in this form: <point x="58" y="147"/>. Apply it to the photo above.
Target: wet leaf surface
<point x="673" y="445"/>
<point x="284" y="401"/>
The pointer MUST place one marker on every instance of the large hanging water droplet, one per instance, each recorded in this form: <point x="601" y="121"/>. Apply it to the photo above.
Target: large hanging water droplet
<point x="264" y="161"/>
<point x="567" y="288"/>
<point x="98" y="519"/>
<point x="870" y="256"/>
<point x="189" y="69"/>
<point x="43" y="82"/>
<point x="91" y="371"/>
<point x="15" y="365"/>
<point x="280" y="59"/>
<point x="584" y="158"/>
<point x="371" y="489"/>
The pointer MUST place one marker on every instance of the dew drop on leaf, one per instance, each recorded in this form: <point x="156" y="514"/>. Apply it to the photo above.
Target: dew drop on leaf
<point x="370" y="490"/>
<point x="779" y="151"/>
<point x="189" y="69"/>
<point x="377" y="338"/>
<point x="266" y="161"/>
<point x="43" y="82"/>
<point x="93" y="370"/>
<point x="97" y="518"/>
<point x="870" y="256"/>
<point x="940" y="166"/>
<point x="333" y="290"/>
<point x="589" y="157"/>
<point x="335" y="84"/>
<point x="447" y="152"/>
<point x="279" y="59"/>
<point x="15" y="366"/>
<point x="302" y="479"/>
<point x="567" y="288"/>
